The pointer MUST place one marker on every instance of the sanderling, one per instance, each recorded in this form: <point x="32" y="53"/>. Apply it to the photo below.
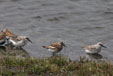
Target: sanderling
<point x="94" y="49"/>
<point x="19" y="41"/>
<point x="55" y="47"/>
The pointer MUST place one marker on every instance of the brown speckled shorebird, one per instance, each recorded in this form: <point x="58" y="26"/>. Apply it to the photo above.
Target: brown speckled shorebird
<point x="94" y="49"/>
<point x="8" y="33"/>
<point x="55" y="47"/>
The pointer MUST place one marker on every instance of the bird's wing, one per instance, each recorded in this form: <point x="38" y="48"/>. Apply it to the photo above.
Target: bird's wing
<point x="2" y="37"/>
<point x="51" y="47"/>
<point x="55" y="45"/>
<point x="9" y="33"/>
<point x="91" y="47"/>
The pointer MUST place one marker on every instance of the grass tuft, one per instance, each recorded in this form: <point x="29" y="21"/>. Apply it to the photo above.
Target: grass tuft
<point x="54" y="66"/>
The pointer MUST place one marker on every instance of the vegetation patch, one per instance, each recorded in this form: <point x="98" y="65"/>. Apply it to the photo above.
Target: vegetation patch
<point x="53" y="66"/>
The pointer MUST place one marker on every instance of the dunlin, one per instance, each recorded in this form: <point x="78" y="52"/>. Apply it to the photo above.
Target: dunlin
<point x="19" y="41"/>
<point x="94" y="49"/>
<point x="55" y="47"/>
<point x="8" y="33"/>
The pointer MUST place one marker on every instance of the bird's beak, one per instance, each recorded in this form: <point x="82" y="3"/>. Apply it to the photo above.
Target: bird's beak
<point x="29" y="40"/>
<point x="64" y="45"/>
<point x="103" y="46"/>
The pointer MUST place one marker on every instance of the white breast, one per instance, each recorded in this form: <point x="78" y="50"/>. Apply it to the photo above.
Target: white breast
<point x="51" y="50"/>
<point x="20" y="43"/>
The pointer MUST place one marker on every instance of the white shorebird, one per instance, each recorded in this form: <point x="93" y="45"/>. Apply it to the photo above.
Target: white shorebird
<point x="55" y="47"/>
<point x="19" y="41"/>
<point x="94" y="49"/>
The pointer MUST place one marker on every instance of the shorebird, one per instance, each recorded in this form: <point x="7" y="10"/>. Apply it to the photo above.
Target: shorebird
<point x="94" y="49"/>
<point x="55" y="47"/>
<point x="8" y="33"/>
<point x="3" y="39"/>
<point x="19" y="41"/>
<point x="14" y="40"/>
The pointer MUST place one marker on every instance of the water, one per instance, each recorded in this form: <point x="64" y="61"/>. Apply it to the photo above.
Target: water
<point x="76" y="22"/>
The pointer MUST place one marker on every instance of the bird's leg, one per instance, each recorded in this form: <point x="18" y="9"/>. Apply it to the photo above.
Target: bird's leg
<point x="7" y="42"/>
<point x="6" y="48"/>
<point x="53" y="53"/>
<point x="6" y="45"/>
<point x="13" y="47"/>
<point x="19" y="47"/>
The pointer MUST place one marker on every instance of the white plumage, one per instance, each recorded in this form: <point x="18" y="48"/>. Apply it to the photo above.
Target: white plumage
<point x="94" y="49"/>
<point x="19" y="41"/>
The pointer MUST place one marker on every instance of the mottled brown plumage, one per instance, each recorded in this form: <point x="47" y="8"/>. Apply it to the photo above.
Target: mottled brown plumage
<point x="9" y="33"/>
<point x="2" y="36"/>
<point x="55" y="47"/>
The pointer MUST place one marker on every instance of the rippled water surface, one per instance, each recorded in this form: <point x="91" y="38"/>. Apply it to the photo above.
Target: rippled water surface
<point x="76" y="22"/>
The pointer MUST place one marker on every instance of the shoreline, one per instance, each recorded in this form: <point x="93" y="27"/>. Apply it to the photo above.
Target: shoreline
<point x="53" y="66"/>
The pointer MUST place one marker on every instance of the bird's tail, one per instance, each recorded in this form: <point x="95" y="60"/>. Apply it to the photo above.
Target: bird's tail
<point x="82" y="46"/>
<point x="44" y="47"/>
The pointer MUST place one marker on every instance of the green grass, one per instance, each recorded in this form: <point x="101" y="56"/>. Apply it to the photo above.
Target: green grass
<point x="53" y="66"/>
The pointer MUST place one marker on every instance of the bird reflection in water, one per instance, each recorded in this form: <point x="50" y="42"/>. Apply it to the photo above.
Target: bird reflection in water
<point x="94" y="56"/>
<point x="13" y="52"/>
